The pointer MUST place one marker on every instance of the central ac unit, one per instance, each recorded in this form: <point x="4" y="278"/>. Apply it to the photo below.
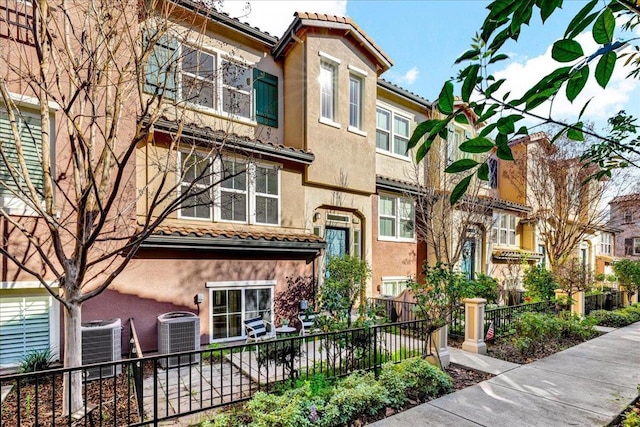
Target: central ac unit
<point x="101" y="343"/>
<point x="178" y="331"/>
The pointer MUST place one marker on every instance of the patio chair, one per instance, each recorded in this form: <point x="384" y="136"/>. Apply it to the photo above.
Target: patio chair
<point x="307" y="321"/>
<point x="256" y="329"/>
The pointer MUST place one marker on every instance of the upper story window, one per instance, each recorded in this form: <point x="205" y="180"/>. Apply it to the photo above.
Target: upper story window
<point x="606" y="240"/>
<point x="17" y="21"/>
<point x="355" y="101"/>
<point x="12" y="176"/>
<point x="632" y="246"/>
<point x="504" y="229"/>
<point x="627" y="216"/>
<point x="249" y="193"/>
<point x="396" y="216"/>
<point x="455" y="137"/>
<point x="328" y="74"/>
<point x="392" y="132"/>
<point x="205" y="79"/>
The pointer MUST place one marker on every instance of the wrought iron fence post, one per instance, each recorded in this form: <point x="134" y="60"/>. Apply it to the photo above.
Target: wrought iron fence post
<point x="375" y="354"/>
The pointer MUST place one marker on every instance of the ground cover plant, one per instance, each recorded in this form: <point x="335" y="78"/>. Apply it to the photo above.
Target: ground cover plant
<point x="318" y="401"/>
<point x="538" y="335"/>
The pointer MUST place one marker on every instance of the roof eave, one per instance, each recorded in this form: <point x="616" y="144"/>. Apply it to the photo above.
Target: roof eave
<point x="236" y="245"/>
<point x="398" y="91"/>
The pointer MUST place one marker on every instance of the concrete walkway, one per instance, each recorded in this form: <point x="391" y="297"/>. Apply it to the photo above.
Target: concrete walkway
<point x="480" y="362"/>
<point x="586" y="385"/>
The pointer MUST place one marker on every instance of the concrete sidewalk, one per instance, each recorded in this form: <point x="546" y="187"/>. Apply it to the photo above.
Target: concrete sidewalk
<point x="586" y="385"/>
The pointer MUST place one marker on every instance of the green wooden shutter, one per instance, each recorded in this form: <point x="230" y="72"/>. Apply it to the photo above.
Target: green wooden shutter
<point x="30" y="128"/>
<point x="265" y="86"/>
<point x="24" y="327"/>
<point x="160" y="72"/>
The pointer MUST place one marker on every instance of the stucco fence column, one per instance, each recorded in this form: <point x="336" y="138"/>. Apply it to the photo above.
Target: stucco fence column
<point x="439" y="343"/>
<point x="474" y="326"/>
<point x="578" y="304"/>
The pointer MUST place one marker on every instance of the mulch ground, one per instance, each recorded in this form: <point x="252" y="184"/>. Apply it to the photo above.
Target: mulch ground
<point x="49" y="394"/>
<point x="505" y="350"/>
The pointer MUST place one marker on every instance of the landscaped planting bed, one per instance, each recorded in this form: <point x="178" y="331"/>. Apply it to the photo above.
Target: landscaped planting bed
<point x="357" y="399"/>
<point x="49" y="392"/>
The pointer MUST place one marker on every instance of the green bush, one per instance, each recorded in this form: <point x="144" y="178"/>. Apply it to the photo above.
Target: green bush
<point x="287" y="410"/>
<point x="357" y="395"/>
<point x="539" y="283"/>
<point x="413" y="379"/>
<point x="616" y="318"/>
<point x="533" y="330"/>
<point x="36" y="360"/>
<point x="483" y="287"/>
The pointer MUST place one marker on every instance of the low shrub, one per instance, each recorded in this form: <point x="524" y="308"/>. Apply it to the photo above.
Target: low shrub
<point x="36" y="360"/>
<point x="319" y="401"/>
<point x="534" y="330"/>
<point x="616" y="318"/>
<point x="414" y="379"/>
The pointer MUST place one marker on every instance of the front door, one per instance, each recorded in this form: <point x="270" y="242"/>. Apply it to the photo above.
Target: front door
<point x="337" y="241"/>
<point x="469" y="258"/>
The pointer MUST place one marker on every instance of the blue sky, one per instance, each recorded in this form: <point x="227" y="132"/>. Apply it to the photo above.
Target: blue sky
<point x="424" y="38"/>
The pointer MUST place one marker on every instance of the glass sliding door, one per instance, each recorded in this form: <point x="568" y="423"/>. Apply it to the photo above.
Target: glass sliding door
<point x="230" y="307"/>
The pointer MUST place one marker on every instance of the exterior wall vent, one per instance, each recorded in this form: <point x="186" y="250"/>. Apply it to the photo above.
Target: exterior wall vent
<point x="178" y="331"/>
<point x="101" y="343"/>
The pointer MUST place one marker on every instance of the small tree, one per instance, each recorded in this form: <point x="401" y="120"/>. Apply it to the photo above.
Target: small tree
<point x="438" y="296"/>
<point x="573" y="276"/>
<point x="346" y="278"/>
<point x="482" y="286"/>
<point x="628" y="273"/>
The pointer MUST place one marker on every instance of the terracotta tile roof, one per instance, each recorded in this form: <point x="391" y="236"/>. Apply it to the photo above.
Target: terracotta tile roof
<point x="503" y="254"/>
<point x="212" y="232"/>
<point x="635" y="197"/>
<point x="342" y="20"/>
<point x="239" y="141"/>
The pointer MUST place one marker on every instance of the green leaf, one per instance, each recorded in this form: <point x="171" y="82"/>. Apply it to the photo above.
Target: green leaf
<point x="491" y="111"/>
<point x="500" y="38"/>
<point x="470" y="54"/>
<point x="470" y="82"/>
<point x="445" y="99"/>
<point x="500" y="9"/>
<point x="487" y="129"/>
<point x="584" y="108"/>
<point x="459" y="190"/>
<point x="493" y="87"/>
<point x="565" y="50"/>
<point x="547" y="7"/>
<point x="579" y="18"/>
<point x="575" y="133"/>
<point x="461" y="118"/>
<point x="499" y="57"/>
<point x="504" y="152"/>
<point x="483" y="172"/>
<point x="461" y="166"/>
<point x="522" y="131"/>
<point x="422" y="129"/>
<point x="603" y="27"/>
<point x="478" y="144"/>
<point x="506" y="125"/>
<point x="577" y="82"/>
<point x="423" y="150"/>
<point x="605" y="67"/>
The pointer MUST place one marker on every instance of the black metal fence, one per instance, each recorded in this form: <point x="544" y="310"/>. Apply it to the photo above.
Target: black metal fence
<point x="605" y="301"/>
<point x="147" y="390"/>
<point x="502" y="317"/>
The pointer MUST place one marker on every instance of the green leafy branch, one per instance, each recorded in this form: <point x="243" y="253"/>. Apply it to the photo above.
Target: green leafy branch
<point x="504" y="114"/>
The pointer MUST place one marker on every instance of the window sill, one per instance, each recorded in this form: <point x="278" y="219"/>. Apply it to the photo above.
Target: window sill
<point x="16" y="207"/>
<point x="329" y="122"/>
<point x="356" y="131"/>
<point x="393" y="155"/>
<point x="395" y="239"/>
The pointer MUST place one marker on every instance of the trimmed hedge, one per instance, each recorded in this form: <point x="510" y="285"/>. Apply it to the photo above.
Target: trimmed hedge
<point x="617" y="318"/>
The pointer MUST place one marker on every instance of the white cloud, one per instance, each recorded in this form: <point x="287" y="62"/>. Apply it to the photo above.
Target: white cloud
<point x="275" y="16"/>
<point x="621" y="93"/>
<point x="410" y="76"/>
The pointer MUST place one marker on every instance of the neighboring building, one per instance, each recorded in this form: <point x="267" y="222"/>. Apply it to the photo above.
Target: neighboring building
<point x="625" y="215"/>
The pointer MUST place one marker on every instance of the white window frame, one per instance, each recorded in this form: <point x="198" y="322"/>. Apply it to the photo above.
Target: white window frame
<point x="636" y="246"/>
<point x="358" y="76"/>
<point x="606" y="243"/>
<point x="392" y="132"/>
<point x="396" y="217"/>
<point x="213" y="78"/>
<point x="509" y="229"/>
<point x="398" y="283"/>
<point x="248" y="92"/>
<point x="13" y="205"/>
<point x="250" y="190"/>
<point x="181" y="181"/>
<point x="241" y="285"/>
<point x="329" y="65"/>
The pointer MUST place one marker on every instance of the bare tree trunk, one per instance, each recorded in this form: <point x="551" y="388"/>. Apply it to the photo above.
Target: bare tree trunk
<point x="72" y="383"/>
